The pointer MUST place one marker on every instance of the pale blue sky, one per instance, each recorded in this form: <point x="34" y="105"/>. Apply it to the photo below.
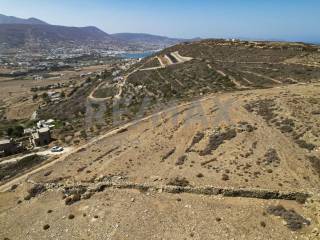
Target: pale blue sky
<point x="297" y="20"/>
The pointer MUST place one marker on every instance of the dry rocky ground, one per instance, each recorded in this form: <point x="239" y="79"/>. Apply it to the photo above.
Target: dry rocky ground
<point x="178" y="175"/>
<point x="230" y="165"/>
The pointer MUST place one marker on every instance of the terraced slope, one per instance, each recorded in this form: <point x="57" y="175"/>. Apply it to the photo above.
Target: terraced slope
<point x="219" y="66"/>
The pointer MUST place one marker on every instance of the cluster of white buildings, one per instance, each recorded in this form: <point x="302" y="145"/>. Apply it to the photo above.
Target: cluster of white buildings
<point x="41" y="134"/>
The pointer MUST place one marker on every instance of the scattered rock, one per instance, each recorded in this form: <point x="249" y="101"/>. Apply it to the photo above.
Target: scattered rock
<point x="87" y="195"/>
<point x="72" y="199"/>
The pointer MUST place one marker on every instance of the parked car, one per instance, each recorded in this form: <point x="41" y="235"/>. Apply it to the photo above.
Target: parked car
<point x="57" y="149"/>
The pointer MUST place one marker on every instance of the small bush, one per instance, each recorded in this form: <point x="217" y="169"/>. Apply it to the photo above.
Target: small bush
<point x="15" y="132"/>
<point x="315" y="162"/>
<point x="271" y="158"/>
<point x="196" y="139"/>
<point x="46" y="174"/>
<point x="46" y="227"/>
<point x="294" y="221"/>
<point x="181" y="160"/>
<point x="218" y="139"/>
<point x="200" y="175"/>
<point x="286" y="129"/>
<point x="167" y="155"/>
<point x="180" y="182"/>
<point x="35" y="191"/>
<point x="303" y="144"/>
<point x="225" y="177"/>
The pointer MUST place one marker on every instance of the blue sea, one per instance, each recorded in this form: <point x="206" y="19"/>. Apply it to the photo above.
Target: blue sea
<point x="136" y="55"/>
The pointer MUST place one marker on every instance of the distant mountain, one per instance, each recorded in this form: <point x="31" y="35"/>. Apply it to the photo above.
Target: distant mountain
<point x="14" y="20"/>
<point x="45" y="38"/>
<point x="147" y="39"/>
<point x="36" y="35"/>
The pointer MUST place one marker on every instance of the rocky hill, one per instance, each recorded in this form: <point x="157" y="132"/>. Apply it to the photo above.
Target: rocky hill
<point x="36" y="35"/>
<point x="211" y="140"/>
<point x="14" y="20"/>
<point x="220" y="66"/>
<point x="20" y="35"/>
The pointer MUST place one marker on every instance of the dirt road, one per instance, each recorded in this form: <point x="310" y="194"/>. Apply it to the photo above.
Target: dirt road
<point x="42" y="153"/>
<point x="175" y="167"/>
<point x="7" y="186"/>
<point x="91" y="98"/>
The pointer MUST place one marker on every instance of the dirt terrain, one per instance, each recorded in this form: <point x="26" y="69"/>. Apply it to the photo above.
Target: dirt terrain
<point x="162" y="181"/>
<point x="231" y="163"/>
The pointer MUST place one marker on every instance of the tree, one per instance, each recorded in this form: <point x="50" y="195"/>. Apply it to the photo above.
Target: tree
<point x="35" y="97"/>
<point x="10" y="132"/>
<point x="16" y="131"/>
<point x="45" y="97"/>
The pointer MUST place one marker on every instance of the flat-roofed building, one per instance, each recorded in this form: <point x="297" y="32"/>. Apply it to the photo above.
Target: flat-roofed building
<point x="42" y="137"/>
<point x="7" y="147"/>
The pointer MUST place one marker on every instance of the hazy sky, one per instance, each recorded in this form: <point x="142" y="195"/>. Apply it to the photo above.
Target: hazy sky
<point x="260" y="19"/>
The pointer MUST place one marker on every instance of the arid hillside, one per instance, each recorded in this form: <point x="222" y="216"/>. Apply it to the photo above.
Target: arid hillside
<point x="233" y="153"/>
<point x="191" y="70"/>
